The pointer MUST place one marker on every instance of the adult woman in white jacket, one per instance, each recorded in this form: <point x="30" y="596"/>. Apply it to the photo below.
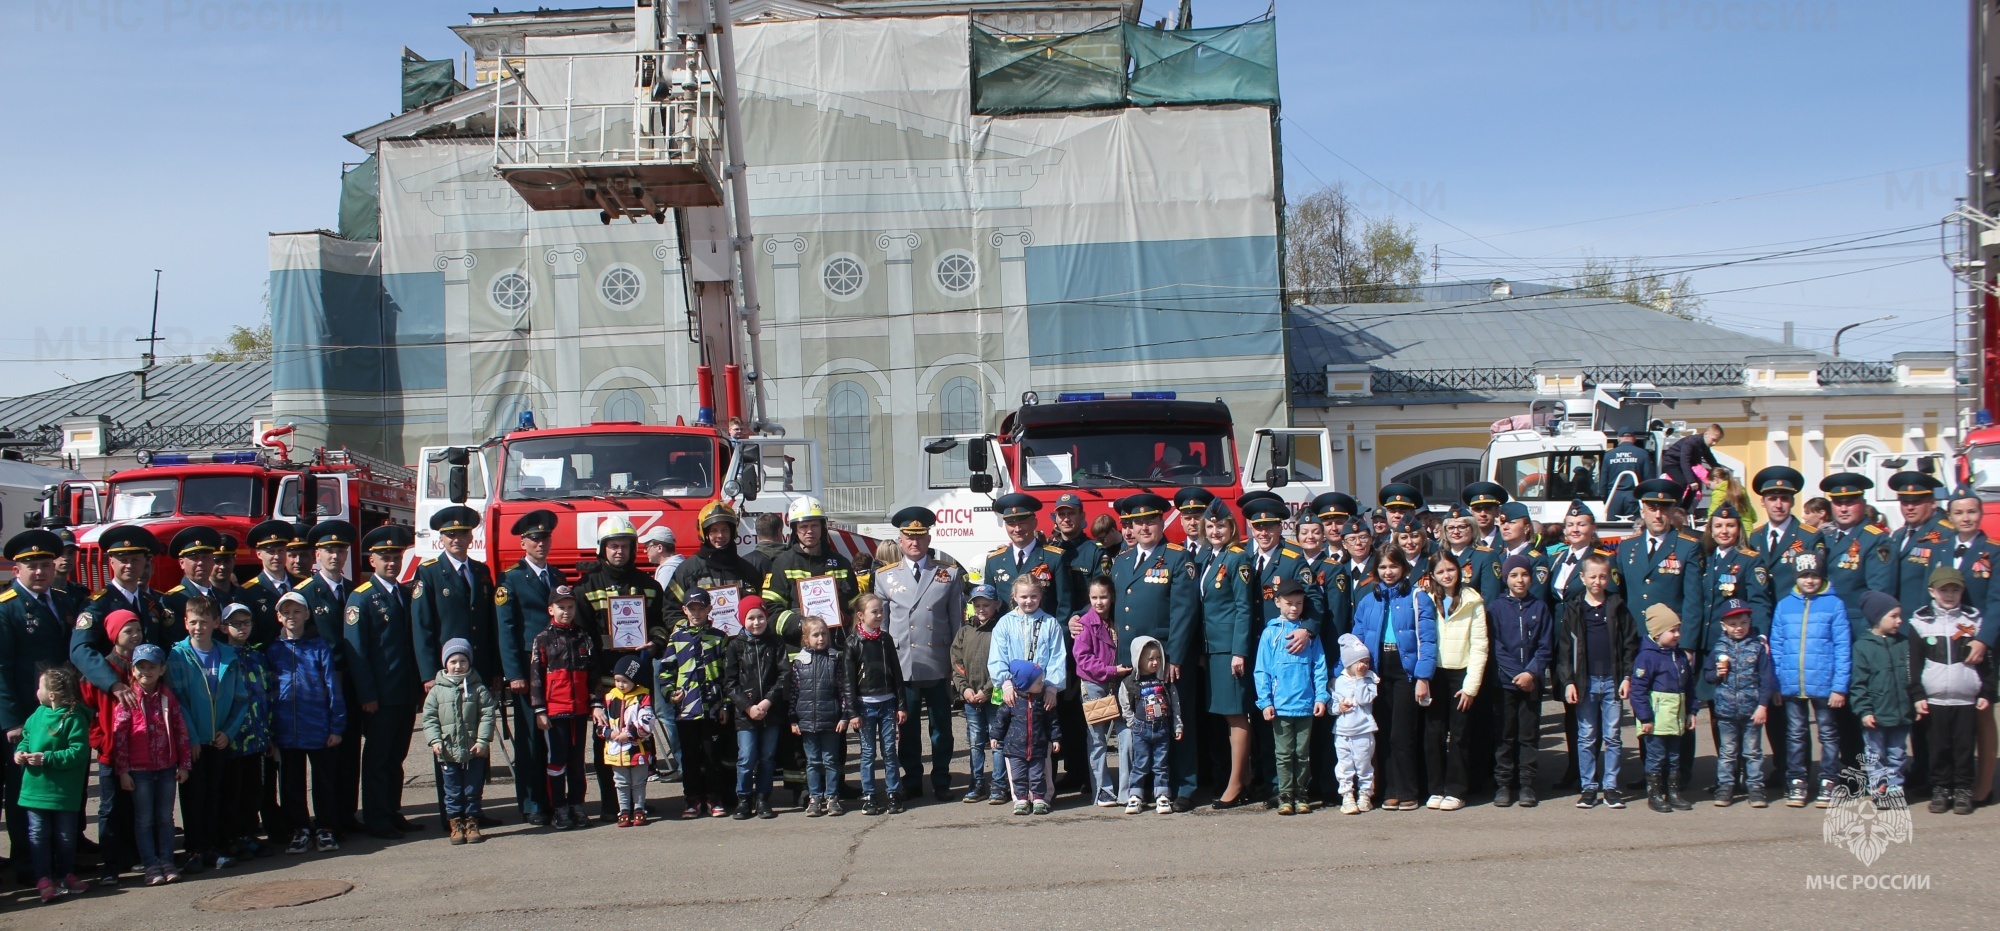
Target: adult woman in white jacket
<point x="1461" y="669"/>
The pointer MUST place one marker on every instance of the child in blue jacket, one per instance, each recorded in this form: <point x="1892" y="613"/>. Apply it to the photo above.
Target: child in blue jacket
<point x="1663" y="702"/>
<point x="1291" y="692"/>
<point x="308" y="715"/>
<point x="1812" y="650"/>
<point x="207" y="677"/>
<point x="1025" y="732"/>
<point x="1739" y="667"/>
<point x="1523" y="638"/>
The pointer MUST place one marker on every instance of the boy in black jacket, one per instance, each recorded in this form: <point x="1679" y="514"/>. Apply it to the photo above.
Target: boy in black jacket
<point x="1596" y="645"/>
<point x="875" y="684"/>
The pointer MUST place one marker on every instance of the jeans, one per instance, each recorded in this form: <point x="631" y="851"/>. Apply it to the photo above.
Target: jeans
<point x="978" y="732"/>
<point x="1103" y="790"/>
<point x="1741" y="743"/>
<point x="822" y="768"/>
<point x="756" y="756"/>
<point x="1145" y="760"/>
<point x="153" y="816"/>
<point x="52" y="838"/>
<point x="1885" y="755"/>
<point x="1663" y="755"/>
<point x="114" y="823"/>
<point x="462" y="785"/>
<point x="1599" y="742"/>
<point x="1291" y="739"/>
<point x="935" y="696"/>
<point x="878" y="743"/>
<point x="1798" y="744"/>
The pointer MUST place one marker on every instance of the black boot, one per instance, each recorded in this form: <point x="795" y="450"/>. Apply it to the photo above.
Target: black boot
<point x="1940" y="801"/>
<point x="1656" y="793"/>
<point x="1674" y="793"/>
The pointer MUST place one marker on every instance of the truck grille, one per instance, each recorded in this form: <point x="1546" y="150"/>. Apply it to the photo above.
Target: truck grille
<point x="89" y="569"/>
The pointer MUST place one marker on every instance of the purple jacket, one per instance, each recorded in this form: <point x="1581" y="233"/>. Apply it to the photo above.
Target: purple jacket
<point x="1095" y="650"/>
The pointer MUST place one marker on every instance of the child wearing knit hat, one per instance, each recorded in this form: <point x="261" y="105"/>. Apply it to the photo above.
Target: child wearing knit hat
<point x="1663" y="703"/>
<point x="459" y="714"/>
<point x="1881" y="691"/>
<point x="1354" y="726"/>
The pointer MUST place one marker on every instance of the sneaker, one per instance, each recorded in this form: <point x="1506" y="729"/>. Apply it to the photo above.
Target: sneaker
<point x="871" y="807"/>
<point x="172" y="875"/>
<point x="301" y="842"/>
<point x="1825" y="799"/>
<point x="1940" y="801"/>
<point x="560" y="821"/>
<point x="224" y="861"/>
<point x="1961" y="802"/>
<point x="1587" y="799"/>
<point x="1040" y="807"/>
<point x="326" y="842"/>
<point x="193" y="866"/>
<point x="1287" y="807"/>
<point x="71" y="885"/>
<point x="48" y="890"/>
<point x="977" y="795"/>
<point x="108" y="880"/>
<point x="1107" y="803"/>
<point x="1364" y="801"/>
<point x="1795" y="794"/>
<point x="1347" y="806"/>
<point x="156" y="876"/>
<point x="1756" y="798"/>
<point x="1450" y="803"/>
<point x="896" y="804"/>
<point x="813" y="809"/>
<point x="831" y="804"/>
<point x="1725" y="796"/>
<point x="577" y="818"/>
<point x="999" y="796"/>
<point x="716" y="809"/>
<point x="1434" y="802"/>
<point x="1021" y="808"/>
<point x="1134" y="805"/>
<point x="1163" y="806"/>
<point x="693" y="810"/>
<point x="1613" y="799"/>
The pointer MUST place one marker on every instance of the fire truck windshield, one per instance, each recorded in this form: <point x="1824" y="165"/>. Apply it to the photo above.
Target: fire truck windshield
<point x="1568" y="475"/>
<point x="1099" y="457"/>
<point x="208" y="495"/>
<point x="590" y="464"/>
<point x="1983" y="461"/>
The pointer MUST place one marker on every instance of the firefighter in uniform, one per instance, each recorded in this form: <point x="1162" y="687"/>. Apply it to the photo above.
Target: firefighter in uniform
<point x="261" y="593"/>
<point x="222" y="577"/>
<point x="809" y="555"/>
<point x="35" y="630"/>
<point x="1516" y="529"/>
<point x="713" y="565"/>
<point x="1231" y="617"/>
<point x="129" y="551"/>
<point x="1154" y="583"/>
<point x="299" y="552"/>
<point x="1270" y="558"/>
<point x="1919" y="545"/>
<point x="195" y="548"/>
<point x="622" y="606"/>
<point x="1659" y="565"/>
<point x="1402" y="501"/>
<point x="1484" y="499"/>
<point x="1085" y="558"/>
<point x="1191" y="503"/>
<point x="1334" y="508"/>
<point x="382" y="663"/>
<point x="452" y="598"/>
<point x="1860" y="556"/>
<point x="521" y="611"/>
<point x="1782" y="536"/>
<point x="322" y="551"/>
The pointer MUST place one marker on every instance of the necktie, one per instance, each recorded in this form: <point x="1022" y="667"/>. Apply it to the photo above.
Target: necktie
<point x="1652" y="545"/>
<point x="1263" y="562"/>
<point x="466" y="570"/>
<point x="1961" y="552"/>
<point x="1775" y="535"/>
<point x="1020" y="558"/>
<point x="49" y="602"/>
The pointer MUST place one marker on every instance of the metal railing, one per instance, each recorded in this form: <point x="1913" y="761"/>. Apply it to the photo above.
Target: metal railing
<point x="1856" y="372"/>
<point x="1673" y="375"/>
<point x="671" y="116"/>
<point x="48" y="440"/>
<point x="1517" y="379"/>
<point x="854" y="499"/>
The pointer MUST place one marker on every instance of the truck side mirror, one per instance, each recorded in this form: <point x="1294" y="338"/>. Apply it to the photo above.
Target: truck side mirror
<point x="31" y="520"/>
<point x="975" y="455"/>
<point x="1278" y="478"/>
<point x="1928" y="465"/>
<point x="982" y="483"/>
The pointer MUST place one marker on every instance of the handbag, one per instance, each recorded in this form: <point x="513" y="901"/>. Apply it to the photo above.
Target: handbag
<point x="1101" y="710"/>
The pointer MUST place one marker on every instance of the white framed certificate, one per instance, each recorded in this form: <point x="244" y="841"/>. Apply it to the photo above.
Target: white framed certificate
<point x="722" y="601"/>
<point x="819" y="597"/>
<point x="628" y="622"/>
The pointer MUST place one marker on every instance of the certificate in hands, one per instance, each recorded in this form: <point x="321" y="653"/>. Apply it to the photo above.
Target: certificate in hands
<point x="819" y="597"/>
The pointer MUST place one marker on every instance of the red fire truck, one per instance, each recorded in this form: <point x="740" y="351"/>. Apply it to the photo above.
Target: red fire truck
<point x="1978" y="468"/>
<point x="1101" y="448"/>
<point x="232" y="491"/>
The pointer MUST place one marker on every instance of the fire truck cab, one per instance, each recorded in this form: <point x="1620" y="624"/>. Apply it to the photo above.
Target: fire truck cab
<point x="1101" y="448"/>
<point x="1554" y="454"/>
<point x="1978" y="468"/>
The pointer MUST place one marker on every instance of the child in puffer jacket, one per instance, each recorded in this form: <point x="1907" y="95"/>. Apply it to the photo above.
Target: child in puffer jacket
<point x="821" y="705"/>
<point x="1740" y="669"/>
<point x="559" y="685"/>
<point x="152" y="754"/>
<point x="1663" y="702"/>
<point x="459" y="714"/>
<point x="628" y="738"/>
<point x="308" y="715"/>
<point x="1291" y="691"/>
<point x="1026" y="733"/>
<point x="1882" y="700"/>
<point x="1152" y="723"/>
<point x="1812" y="650"/>
<point x="1949" y="689"/>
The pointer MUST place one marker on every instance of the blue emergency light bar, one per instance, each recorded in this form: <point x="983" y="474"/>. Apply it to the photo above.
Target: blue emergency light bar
<point x="1069" y="396"/>
<point x="225" y="457"/>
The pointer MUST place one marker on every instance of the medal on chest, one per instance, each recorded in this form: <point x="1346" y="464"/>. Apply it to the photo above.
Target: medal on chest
<point x="942" y="575"/>
<point x="1852" y="560"/>
<point x="1671" y="565"/>
<point x="1726" y="584"/>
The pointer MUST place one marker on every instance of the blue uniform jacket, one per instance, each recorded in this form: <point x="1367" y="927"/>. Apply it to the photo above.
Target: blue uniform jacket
<point x="1228" y="596"/>
<point x="1336" y="591"/>
<point x="1158" y="598"/>
<point x="88" y="644"/>
<point x="380" y="646"/>
<point x="521" y="611"/>
<point x="1799" y="538"/>
<point x="1919" y="550"/>
<point x="1858" y="560"/>
<point x="1284" y="563"/>
<point x="1742" y="573"/>
<point x="1049" y="565"/>
<point x="31" y="639"/>
<point x="1626" y="459"/>
<point x="444" y="607"/>
<point x="1670" y="576"/>
<point x="1493" y="587"/>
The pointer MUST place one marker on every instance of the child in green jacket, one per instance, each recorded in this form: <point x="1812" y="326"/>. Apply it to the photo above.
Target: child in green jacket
<point x="1881" y="695"/>
<point x="54" y="754"/>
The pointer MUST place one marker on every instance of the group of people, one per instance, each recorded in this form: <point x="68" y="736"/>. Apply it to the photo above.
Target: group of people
<point x="1391" y="667"/>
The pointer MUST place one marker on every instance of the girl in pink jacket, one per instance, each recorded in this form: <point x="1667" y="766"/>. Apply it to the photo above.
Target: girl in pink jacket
<point x="149" y="752"/>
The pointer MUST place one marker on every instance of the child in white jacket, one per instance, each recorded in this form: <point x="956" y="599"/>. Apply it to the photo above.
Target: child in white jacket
<point x="1354" y="726"/>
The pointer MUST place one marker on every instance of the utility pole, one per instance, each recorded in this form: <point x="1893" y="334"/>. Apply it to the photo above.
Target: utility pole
<point x="152" y="337"/>
<point x="1977" y="343"/>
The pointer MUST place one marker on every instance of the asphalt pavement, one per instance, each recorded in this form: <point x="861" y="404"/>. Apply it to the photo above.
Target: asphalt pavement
<point x="948" y="865"/>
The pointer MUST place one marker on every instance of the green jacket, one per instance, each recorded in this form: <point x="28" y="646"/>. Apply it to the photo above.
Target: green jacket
<point x="458" y="715"/>
<point x="1881" y="680"/>
<point x="63" y="734"/>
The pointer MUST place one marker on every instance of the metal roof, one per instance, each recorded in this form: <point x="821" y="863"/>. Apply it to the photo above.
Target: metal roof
<point x="227" y="396"/>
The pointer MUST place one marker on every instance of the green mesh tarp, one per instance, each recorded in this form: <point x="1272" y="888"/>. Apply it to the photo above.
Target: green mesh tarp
<point x="360" y="204"/>
<point x="1228" y="64"/>
<point x="427" y="82"/>
<point x="1013" y="74"/>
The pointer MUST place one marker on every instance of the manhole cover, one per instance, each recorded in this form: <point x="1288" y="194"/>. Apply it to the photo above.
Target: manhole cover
<point x="274" y="895"/>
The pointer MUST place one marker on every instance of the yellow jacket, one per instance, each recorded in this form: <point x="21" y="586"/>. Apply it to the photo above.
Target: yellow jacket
<point x="632" y="712"/>
<point x="1462" y="638"/>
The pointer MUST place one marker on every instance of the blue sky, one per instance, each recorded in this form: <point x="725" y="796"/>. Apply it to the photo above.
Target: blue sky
<point x="1517" y="136"/>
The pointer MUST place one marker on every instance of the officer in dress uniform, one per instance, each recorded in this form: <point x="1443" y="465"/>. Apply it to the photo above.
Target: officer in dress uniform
<point x="1484" y="499"/>
<point x="299" y="553"/>
<point x="388" y="680"/>
<point x="322" y="551"/>
<point x="1334" y="508"/>
<point x="1025" y="553"/>
<point x="1401" y="501"/>
<point x="1919" y="545"/>
<point x="1659" y="565"/>
<point x="1155" y="591"/>
<point x="1782" y="537"/>
<point x="1324" y="569"/>
<point x="195" y="548"/>
<point x="1580" y="540"/>
<point x="1860" y="556"/>
<point x="129" y="551"/>
<point x="521" y="612"/>
<point x="1975" y="556"/>
<point x="1085" y="558"/>
<point x="35" y="630"/>
<point x="1191" y="503"/>
<point x="261" y="593"/>
<point x="924" y="595"/>
<point x="222" y="573"/>
<point x="1733" y="573"/>
<point x="452" y="598"/>
<point x="1516" y="528"/>
<point x="1272" y="559"/>
<point x="1230" y="618"/>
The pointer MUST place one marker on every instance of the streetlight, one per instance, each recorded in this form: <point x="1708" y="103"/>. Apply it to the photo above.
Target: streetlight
<point x="1837" y="334"/>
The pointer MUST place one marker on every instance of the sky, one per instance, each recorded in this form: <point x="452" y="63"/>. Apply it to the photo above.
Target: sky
<point x="1517" y="137"/>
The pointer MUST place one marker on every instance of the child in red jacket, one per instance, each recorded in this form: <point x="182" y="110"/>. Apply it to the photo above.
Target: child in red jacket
<point x="559" y="690"/>
<point x="151" y="753"/>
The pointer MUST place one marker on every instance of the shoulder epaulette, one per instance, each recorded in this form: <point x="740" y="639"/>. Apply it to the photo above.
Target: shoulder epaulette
<point x="1236" y="547"/>
<point x="1051" y="547"/>
<point x="358" y="589"/>
<point x="9" y="594"/>
<point x="176" y="589"/>
<point x="1482" y="547"/>
<point x="1176" y="547"/>
<point x="1534" y="553"/>
<point x="1691" y="537"/>
<point x="1808" y="528"/>
<point x="1604" y="551"/>
<point x="1748" y="551"/>
<point x="996" y="551"/>
<point x="1871" y="528"/>
<point x="428" y="561"/>
<point x="1288" y="551"/>
<point x="254" y="580"/>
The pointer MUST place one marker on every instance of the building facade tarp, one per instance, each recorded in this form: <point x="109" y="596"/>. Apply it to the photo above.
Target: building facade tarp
<point x="427" y="82"/>
<point x="1228" y="64"/>
<point x="360" y="203"/>
<point x="1012" y="74"/>
<point x="1124" y="64"/>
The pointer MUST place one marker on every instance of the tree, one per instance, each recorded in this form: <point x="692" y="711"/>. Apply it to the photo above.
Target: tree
<point x="1638" y="284"/>
<point x="1334" y="255"/>
<point x="244" y="344"/>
